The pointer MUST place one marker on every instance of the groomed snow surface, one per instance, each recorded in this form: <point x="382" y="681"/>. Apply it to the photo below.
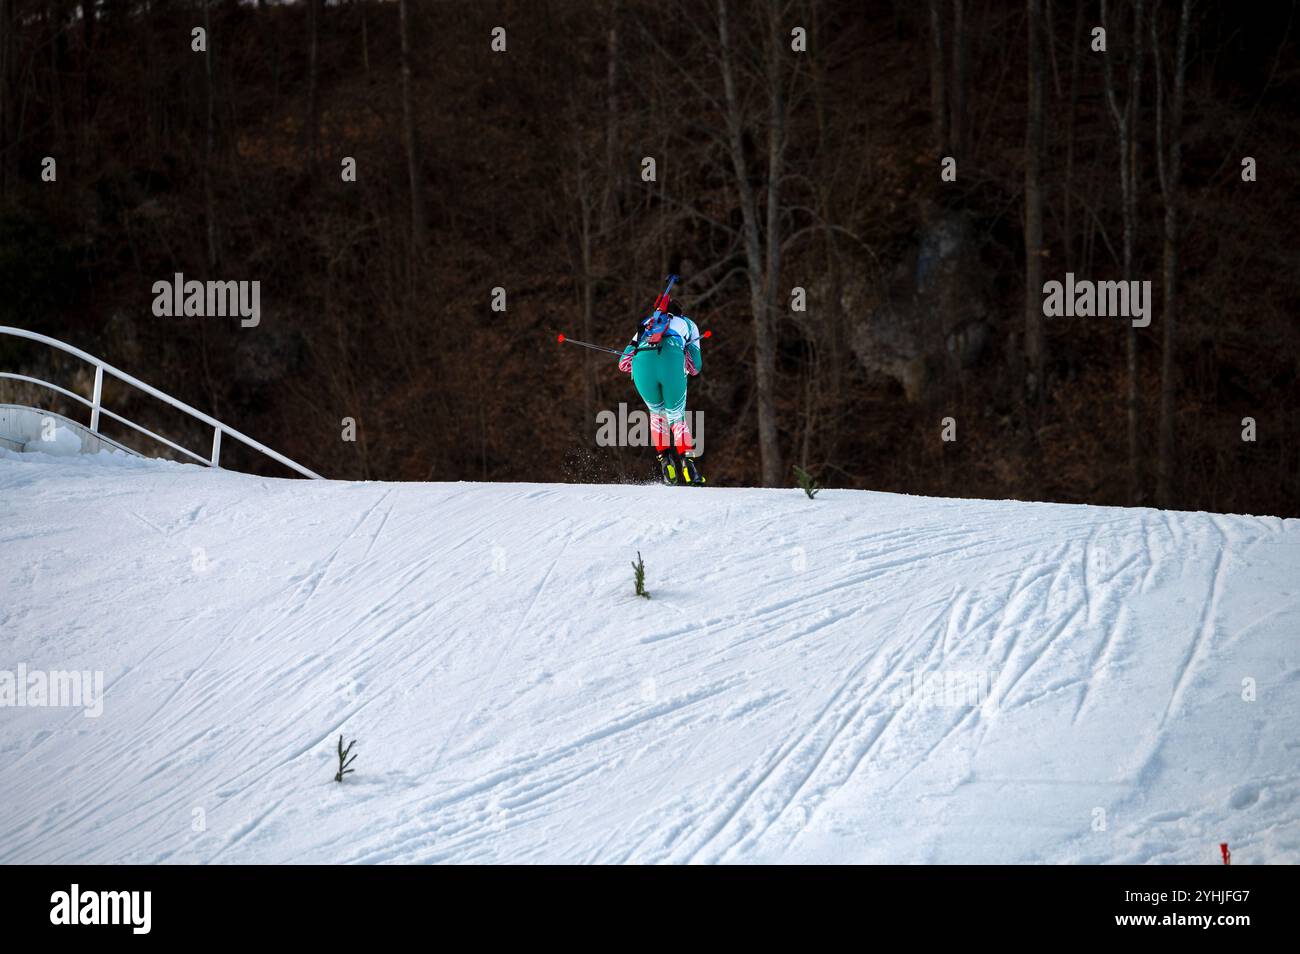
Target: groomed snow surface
<point x="861" y="678"/>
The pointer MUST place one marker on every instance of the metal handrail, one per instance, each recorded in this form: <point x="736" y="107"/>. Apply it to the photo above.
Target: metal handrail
<point x="46" y="384"/>
<point x="96" y="404"/>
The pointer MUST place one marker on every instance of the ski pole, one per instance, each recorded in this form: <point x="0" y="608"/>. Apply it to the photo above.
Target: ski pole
<point x="563" y="340"/>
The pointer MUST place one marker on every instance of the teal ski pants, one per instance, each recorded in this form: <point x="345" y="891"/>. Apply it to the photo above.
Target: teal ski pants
<point x="660" y="378"/>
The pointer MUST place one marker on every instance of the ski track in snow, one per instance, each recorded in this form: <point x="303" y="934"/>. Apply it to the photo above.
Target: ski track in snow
<point x="513" y="701"/>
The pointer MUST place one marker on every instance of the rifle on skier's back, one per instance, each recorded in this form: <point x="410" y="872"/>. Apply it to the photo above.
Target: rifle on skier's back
<point x="656" y="325"/>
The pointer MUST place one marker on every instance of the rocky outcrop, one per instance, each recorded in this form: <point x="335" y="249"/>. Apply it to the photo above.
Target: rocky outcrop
<point x="930" y="315"/>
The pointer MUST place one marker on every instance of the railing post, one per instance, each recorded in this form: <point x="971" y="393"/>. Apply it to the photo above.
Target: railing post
<point x="99" y="391"/>
<point x="216" y="446"/>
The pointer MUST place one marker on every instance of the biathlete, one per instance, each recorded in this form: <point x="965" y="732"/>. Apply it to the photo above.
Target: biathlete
<point x="663" y="352"/>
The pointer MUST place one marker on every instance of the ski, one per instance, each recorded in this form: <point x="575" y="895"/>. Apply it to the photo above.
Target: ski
<point x="677" y="470"/>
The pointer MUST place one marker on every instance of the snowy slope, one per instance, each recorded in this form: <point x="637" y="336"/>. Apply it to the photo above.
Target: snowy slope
<point x="514" y="701"/>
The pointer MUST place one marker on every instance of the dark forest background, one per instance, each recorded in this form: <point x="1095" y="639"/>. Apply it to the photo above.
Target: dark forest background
<point x="776" y="169"/>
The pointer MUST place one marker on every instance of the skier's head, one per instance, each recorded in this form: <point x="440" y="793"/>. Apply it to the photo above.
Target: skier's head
<point x="675" y="307"/>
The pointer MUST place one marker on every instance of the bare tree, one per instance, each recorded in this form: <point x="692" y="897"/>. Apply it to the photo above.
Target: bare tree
<point x="609" y="203"/>
<point x="365" y="35"/>
<point x="209" y="141"/>
<point x="1125" y="119"/>
<point x="1169" y="154"/>
<point x="1034" y="204"/>
<point x="583" y="197"/>
<point x="957" y="115"/>
<point x="88" y="33"/>
<point x="313" y="83"/>
<point x="8" y="92"/>
<point x="938" y="91"/>
<point x="1076" y="46"/>
<point x="761" y="222"/>
<point x="54" y="16"/>
<point x="418" y="227"/>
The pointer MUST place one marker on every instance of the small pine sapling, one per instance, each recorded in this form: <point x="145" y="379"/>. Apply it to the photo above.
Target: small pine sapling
<point x="806" y="482"/>
<point x="638" y="568"/>
<point x="344" y="761"/>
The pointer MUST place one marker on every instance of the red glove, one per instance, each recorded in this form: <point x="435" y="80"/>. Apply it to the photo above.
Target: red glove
<point x="625" y="363"/>
<point x="690" y="366"/>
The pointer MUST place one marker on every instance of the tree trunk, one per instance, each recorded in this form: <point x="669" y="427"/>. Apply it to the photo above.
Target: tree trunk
<point x="54" y="14"/>
<point x="1076" y="44"/>
<point x="418" y="227"/>
<point x="613" y="178"/>
<point x="957" y="112"/>
<point x="88" y="77"/>
<point x="1169" y="149"/>
<point x="1130" y="244"/>
<point x="1034" y="206"/>
<point x="8" y="95"/>
<point x="765" y="346"/>
<point x="938" y="95"/>
<point x="365" y="36"/>
<point x="313" y="83"/>
<point x="209" y="143"/>
<point x="760" y="290"/>
<point x="586" y="201"/>
<point x="1125" y="119"/>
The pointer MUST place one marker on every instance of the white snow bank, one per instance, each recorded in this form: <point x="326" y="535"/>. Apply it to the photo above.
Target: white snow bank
<point x="863" y="677"/>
